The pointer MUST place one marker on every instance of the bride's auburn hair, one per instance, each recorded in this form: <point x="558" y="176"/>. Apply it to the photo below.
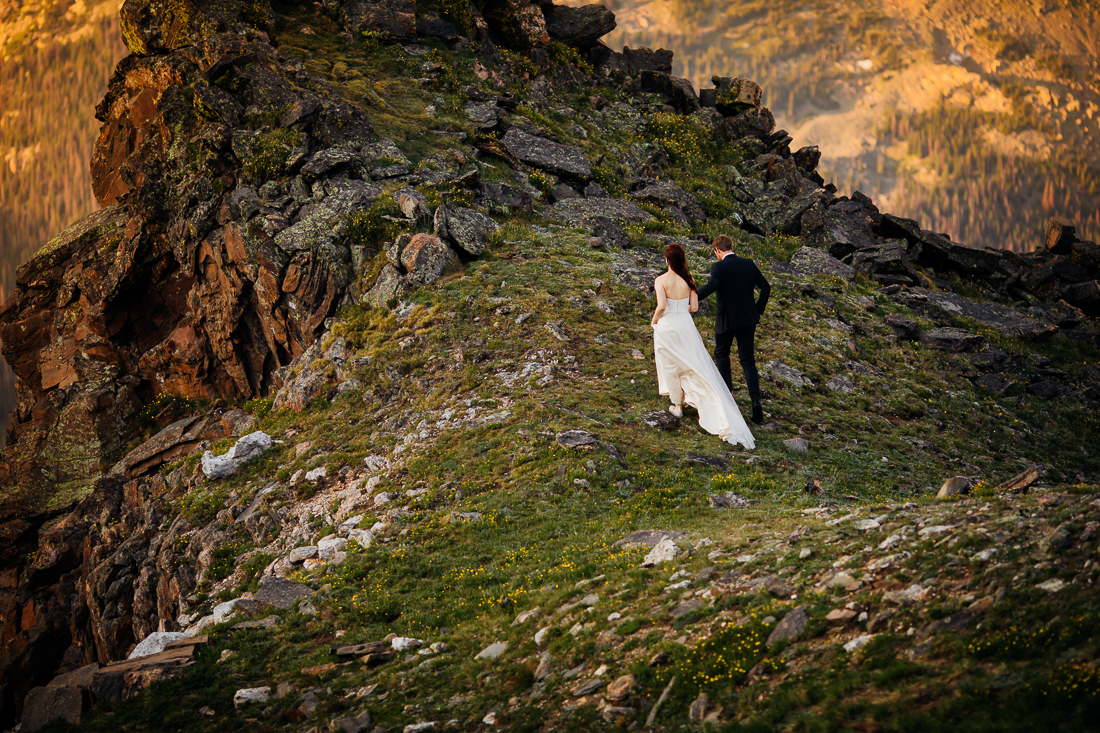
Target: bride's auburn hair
<point x="677" y="261"/>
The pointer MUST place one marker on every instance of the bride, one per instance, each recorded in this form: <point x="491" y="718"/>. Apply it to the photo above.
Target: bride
<point x="685" y="371"/>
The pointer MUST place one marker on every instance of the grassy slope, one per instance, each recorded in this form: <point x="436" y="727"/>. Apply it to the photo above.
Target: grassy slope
<point x="1028" y="663"/>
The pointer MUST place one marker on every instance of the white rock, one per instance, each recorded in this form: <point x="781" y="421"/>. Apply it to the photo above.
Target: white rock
<point x="363" y="536"/>
<point x="891" y="540"/>
<point x="379" y="527"/>
<point x="590" y="600"/>
<point x="859" y="642"/>
<point x="526" y="616"/>
<point x="540" y="635"/>
<point x="316" y="474"/>
<point x="384" y="498"/>
<point x="1053" y="585"/>
<point x="614" y="616"/>
<point x="313" y="563"/>
<point x="155" y="643"/>
<point x="298" y="554"/>
<point x="935" y="530"/>
<point x="244" y="450"/>
<point x="805" y="553"/>
<point x="351" y="522"/>
<point x="338" y="557"/>
<point x="866" y="524"/>
<point x="420" y="727"/>
<point x="705" y="542"/>
<point x="439" y="647"/>
<point x="678" y="586"/>
<point x="986" y="554"/>
<point x="330" y="545"/>
<point x="493" y="651"/>
<point x="376" y="463"/>
<point x="913" y="593"/>
<point x="404" y="643"/>
<point x="250" y="695"/>
<point x="663" y="551"/>
<point x="745" y="558"/>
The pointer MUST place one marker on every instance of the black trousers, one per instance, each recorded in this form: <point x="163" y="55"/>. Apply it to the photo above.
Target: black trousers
<point x="746" y="354"/>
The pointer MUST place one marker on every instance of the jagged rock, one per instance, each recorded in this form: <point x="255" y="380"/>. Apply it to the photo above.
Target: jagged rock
<point x="887" y="263"/>
<point x="904" y="328"/>
<point x="1047" y="389"/>
<point x="800" y="445"/>
<point x="997" y="383"/>
<point x="735" y="95"/>
<point x="470" y="230"/>
<point x="412" y="204"/>
<point x="1085" y="296"/>
<point x="664" y="551"/>
<point x="666" y="193"/>
<point x="281" y="593"/>
<point x="840" y="229"/>
<point x="389" y="287"/>
<point x="519" y="23"/>
<point x="394" y="20"/>
<point x="580" y="27"/>
<point x="157" y="26"/>
<point x="46" y="704"/>
<point x="587" y="687"/>
<point x="951" y="339"/>
<point x="813" y="261"/>
<point x="325" y="160"/>
<point x="778" y="370"/>
<point x="677" y="92"/>
<point x="1060" y="235"/>
<point x="426" y="259"/>
<point x="244" y="450"/>
<point x="1007" y="320"/>
<point x="178" y="439"/>
<point x="790" y="627"/>
<point x="561" y="160"/>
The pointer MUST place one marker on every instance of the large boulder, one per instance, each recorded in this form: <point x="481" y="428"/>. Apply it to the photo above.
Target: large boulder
<point x="666" y="193"/>
<point x="813" y="261"/>
<point x="677" y="92"/>
<point x="734" y="95"/>
<point x="469" y="230"/>
<point x="547" y="155"/>
<point x="579" y="27"/>
<point x="427" y="258"/>
<point x="584" y="213"/>
<point x="518" y="23"/>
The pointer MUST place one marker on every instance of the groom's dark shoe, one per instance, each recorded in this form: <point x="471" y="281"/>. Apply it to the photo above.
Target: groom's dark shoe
<point x="757" y="413"/>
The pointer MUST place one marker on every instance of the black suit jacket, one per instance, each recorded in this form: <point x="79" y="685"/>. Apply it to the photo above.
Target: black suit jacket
<point x="734" y="279"/>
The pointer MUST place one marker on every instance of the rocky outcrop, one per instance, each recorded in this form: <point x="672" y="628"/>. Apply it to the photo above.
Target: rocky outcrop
<point x="580" y="27"/>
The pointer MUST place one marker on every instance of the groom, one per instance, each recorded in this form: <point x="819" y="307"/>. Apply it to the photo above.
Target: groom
<point x="734" y="279"/>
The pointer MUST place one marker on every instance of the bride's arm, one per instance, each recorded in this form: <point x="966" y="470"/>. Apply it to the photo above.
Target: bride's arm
<point x="694" y="304"/>
<point x="662" y="302"/>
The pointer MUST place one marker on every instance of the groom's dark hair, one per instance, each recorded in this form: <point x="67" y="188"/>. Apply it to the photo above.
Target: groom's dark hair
<point x="722" y="243"/>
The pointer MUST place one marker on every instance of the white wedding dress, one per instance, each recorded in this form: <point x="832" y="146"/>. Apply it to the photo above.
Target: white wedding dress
<point x="686" y="373"/>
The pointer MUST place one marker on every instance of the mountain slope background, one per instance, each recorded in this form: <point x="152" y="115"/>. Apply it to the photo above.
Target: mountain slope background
<point x="981" y="119"/>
